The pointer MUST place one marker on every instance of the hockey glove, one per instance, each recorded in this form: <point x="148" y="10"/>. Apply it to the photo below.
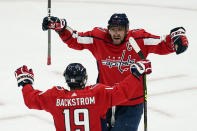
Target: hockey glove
<point x="24" y="76"/>
<point x="54" y="23"/>
<point x="179" y="39"/>
<point x="141" y="67"/>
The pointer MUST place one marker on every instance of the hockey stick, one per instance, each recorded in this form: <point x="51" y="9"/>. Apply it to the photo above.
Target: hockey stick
<point x="49" y="35"/>
<point x="141" y="55"/>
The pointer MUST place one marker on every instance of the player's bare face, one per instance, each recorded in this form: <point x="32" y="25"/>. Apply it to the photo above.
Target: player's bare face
<point x="117" y="34"/>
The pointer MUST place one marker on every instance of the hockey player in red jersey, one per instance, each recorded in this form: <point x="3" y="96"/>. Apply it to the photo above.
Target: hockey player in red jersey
<point x="114" y="55"/>
<point x="81" y="107"/>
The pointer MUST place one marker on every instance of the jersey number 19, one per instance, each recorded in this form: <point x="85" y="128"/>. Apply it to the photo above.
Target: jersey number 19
<point x="76" y="119"/>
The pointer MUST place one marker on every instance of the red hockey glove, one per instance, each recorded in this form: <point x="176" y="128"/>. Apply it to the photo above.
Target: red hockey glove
<point x="54" y="23"/>
<point x="24" y="76"/>
<point x="141" y="67"/>
<point x="179" y="39"/>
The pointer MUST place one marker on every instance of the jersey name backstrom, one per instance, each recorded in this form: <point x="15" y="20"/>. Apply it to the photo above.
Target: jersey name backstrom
<point x="120" y="62"/>
<point x="75" y="101"/>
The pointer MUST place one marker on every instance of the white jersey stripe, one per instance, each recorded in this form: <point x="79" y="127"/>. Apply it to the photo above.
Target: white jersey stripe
<point x="69" y="29"/>
<point x="84" y="40"/>
<point x="81" y="40"/>
<point x="153" y="41"/>
<point x="109" y="88"/>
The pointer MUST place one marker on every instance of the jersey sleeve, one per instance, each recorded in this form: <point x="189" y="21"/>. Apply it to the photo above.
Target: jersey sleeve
<point x="78" y="40"/>
<point x="35" y="99"/>
<point x="124" y="90"/>
<point x="114" y="95"/>
<point x="150" y="43"/>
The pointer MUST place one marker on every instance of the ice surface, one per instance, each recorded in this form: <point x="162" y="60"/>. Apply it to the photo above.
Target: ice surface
<point x="172" y="88"/>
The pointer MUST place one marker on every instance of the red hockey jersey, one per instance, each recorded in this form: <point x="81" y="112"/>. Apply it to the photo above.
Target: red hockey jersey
<point x="114" y="61"/>
<point x="80" y="109"/>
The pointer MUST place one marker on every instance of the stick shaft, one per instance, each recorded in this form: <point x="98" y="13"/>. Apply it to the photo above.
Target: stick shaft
<point x="49" y="35"/>
<point x="141" y="55"/>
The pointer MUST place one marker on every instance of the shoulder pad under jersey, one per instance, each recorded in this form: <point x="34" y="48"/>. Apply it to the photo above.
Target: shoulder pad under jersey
<point x="100" y="29"/>
<point x="137" y="32"/>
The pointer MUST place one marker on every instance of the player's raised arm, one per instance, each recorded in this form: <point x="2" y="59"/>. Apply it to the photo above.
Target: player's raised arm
<point x="175" y="41"/>
<point x="25" y="80"/>
<point x="74" y="39"/>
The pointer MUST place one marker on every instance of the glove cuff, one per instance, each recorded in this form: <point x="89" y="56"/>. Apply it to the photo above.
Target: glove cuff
<point x="60" y="26"/>
<point x="179" y="31"/>
<point x="24" y="79"/>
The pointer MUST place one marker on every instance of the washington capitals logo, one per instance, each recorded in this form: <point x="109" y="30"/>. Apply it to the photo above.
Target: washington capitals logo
<point x="120" y="63"/>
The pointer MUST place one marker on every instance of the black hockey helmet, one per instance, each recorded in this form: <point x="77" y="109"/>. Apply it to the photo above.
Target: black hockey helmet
<point x="118" y="20"/>
<point x="75" y="75"/>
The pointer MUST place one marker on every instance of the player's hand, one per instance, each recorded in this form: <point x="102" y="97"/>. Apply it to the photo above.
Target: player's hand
<point x="141" y="67"/>
<point x="24" y="76"/>
<point x="53" y="23"/>
<point x="179" y="39"/>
